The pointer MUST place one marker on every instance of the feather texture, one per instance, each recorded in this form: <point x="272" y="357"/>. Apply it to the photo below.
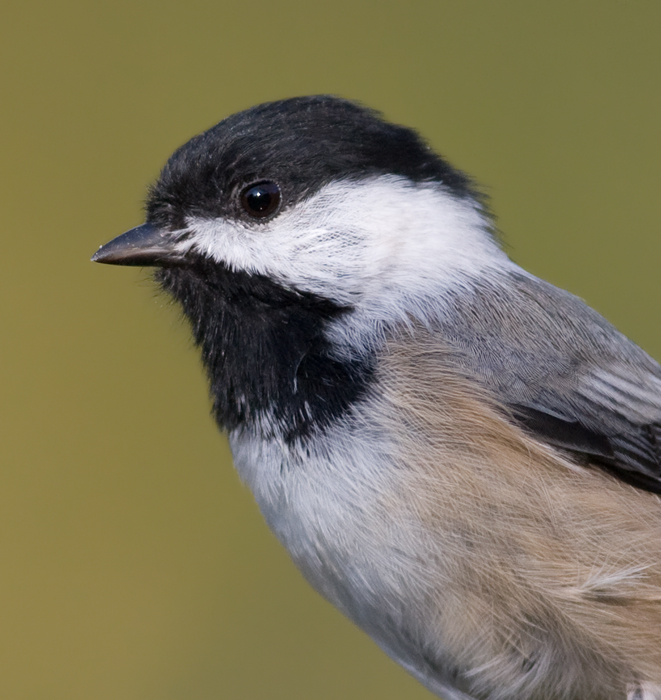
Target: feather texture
<point x="544" y="575"/>
<point x="568" y="374"/>
<point x="485" y="561"/>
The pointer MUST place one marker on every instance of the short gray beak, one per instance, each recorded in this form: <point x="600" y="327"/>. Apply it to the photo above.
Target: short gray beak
<point x="144" y="246"/>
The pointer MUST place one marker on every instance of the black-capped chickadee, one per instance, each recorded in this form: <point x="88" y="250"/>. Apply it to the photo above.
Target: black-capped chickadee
<point x="461" y="457"/>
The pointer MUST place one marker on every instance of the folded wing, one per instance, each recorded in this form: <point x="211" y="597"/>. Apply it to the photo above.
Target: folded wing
<point x="562" y="371"/>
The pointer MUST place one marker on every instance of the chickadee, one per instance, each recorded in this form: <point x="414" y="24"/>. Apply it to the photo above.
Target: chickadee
<point x="461" y="457"/>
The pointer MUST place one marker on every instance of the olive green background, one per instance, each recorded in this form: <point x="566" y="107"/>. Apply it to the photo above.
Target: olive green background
<point x="133" y="563"/>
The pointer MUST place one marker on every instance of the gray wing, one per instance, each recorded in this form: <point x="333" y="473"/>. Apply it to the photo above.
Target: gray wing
<point x="563" y="371"/>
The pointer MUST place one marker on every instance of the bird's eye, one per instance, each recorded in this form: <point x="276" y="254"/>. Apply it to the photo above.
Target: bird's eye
<point x="261" y="199"/>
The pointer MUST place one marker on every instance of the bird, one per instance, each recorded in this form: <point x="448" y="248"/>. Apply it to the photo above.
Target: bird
<point x="463" y="458"/>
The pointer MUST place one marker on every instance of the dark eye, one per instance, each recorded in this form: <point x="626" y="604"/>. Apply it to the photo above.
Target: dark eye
<point x="261" y="199"/>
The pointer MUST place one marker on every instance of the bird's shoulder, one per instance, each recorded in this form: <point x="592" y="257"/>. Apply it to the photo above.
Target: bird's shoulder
<point x="555" y="366"/>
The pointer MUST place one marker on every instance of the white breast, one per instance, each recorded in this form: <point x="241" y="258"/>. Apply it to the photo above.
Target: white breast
<point x="465" y="559"/>
<point x="335" y="507"/>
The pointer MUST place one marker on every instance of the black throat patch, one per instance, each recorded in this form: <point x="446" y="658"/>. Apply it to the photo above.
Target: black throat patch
<point x="270" y="367"/>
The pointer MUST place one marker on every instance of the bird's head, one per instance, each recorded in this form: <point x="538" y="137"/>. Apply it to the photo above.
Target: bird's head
<point x="318" y="194"/>
<point x="289" y="215"/>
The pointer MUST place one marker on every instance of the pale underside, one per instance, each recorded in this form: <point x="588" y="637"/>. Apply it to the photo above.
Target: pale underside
<point x="487" y="563"/>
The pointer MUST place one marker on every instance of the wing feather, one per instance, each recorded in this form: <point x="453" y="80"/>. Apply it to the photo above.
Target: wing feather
<point x="563" y="372"/>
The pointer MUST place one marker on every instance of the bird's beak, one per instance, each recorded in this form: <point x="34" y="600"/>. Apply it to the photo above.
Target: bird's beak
<point x="144" y="245"/>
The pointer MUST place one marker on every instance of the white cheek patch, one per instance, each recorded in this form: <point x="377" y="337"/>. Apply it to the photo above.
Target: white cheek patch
<point x="358" y="242"/>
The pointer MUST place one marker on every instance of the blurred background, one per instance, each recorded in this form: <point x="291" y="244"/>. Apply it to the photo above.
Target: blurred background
<point x="133" y="563"/>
